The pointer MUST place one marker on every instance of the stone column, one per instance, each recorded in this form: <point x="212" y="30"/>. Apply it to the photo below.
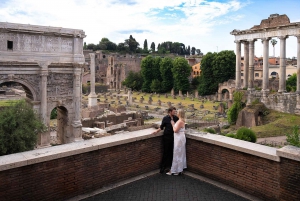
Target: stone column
<point x="44" y="138"/>
<point x="265" y="88"/>
<point x="298" y="64"/>
<point x="129" y="97"/>
<point x="246" y="63"/>
<point x="238" y="65"/>
<point x="92" y="96"/>
<point x="282" y="78"/>
<point x="251" y="65"/>
<point x="298" y="72"/>
<point x="77" y="126"/>
<point x="251" y="71"/>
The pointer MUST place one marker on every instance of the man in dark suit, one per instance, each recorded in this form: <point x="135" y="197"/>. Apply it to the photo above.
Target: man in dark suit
<point x="168" y="139"/>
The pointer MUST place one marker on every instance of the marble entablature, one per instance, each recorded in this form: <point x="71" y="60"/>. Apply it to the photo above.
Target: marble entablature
<point x="55" y="44"/>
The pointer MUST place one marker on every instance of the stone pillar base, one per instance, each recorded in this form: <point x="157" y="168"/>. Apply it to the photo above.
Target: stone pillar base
<point x="77" y="131"/>
<point x="250" y="96"/>
<point x="92" y="100"/>
<point x="44" y="140"/>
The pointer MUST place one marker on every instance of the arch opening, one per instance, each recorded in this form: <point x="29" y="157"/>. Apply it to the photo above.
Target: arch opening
<point x="58" y="125"/>
<point x="20" y="90"/>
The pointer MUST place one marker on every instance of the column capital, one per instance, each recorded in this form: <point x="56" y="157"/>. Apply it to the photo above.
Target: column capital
<point x="237" y="41"/>
<point x="252" y="40"/>
<point x="283" y="37"/>
<point x="265" y="39"/>
<point x="44" y="73"/>
<point x="298" y="37"/>
<point x="44" y="64"/>
<point x="245" y="42"/>
<point x="92" y="55"/>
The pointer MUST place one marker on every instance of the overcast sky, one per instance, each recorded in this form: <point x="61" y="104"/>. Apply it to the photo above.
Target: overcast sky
<point x="205" y="25"/>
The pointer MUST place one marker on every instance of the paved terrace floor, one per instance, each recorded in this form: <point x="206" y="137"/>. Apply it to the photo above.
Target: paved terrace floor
<point x="163" y="187"/>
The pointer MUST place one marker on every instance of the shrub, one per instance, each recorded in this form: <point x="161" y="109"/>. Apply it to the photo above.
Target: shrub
<point x="294" y="137"/>
<point x="256" y="101"/>
<point x="232" y="114"/>
<point x="53" y="114"/>
<point x="230" y="135"/>
<point x="19" y="128"/>
<point x="226" y="126"/>
<point x="236" y="107"/>
<point x="210" y="130"/>
<point x="246" y="134"/>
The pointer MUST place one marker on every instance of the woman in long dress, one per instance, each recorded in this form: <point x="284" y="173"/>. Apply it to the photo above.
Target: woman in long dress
<point x="179" y="151"/>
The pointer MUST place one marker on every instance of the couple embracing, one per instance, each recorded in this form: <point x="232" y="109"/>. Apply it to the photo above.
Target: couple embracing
<point x="174" y="152"/>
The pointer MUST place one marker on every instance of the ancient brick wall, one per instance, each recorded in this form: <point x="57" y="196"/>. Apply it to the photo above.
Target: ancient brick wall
<point x="70" y="176"/>
<point x="251" y="174"/>
<point x="289" y="180"/>
<point x="89" y="168"/>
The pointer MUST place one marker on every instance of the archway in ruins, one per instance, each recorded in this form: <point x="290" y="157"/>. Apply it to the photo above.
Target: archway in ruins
<point x="60" y="129"/>
<point x="28" y="89"/>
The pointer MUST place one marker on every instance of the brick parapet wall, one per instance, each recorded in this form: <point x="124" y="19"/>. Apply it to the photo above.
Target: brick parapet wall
<point x="251" y="174"/>
<point x="79" y="171"/>
<point x="66" y="171"/>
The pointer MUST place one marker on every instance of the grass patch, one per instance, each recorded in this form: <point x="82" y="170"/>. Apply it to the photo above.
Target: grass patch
<point x="276" y="124"/>
<point x="5" y="103"/>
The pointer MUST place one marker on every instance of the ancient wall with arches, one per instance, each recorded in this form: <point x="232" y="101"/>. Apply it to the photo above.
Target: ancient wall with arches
<point x="48" y="62"/>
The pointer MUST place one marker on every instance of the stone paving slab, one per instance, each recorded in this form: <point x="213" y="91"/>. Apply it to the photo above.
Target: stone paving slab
<point x="163" y="187"/>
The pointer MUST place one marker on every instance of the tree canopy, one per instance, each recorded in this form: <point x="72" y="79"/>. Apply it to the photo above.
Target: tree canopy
<point x="181" y="71"/>
<point x="19" y="128"/>
<point x="134" y="81"/>
<point x="166" y="66"/>
<point x="216" y="68"/>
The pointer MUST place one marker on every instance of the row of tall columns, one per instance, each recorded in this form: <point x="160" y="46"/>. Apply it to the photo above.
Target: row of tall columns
<point x="249" y="65"/>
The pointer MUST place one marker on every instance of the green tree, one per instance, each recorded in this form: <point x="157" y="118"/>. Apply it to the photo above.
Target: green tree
<point x="156" y="69"/>
<point x="291" y="83"/>
<point x="152" y="47"/>
<point x="146" y="71"/>
<point x="134" y="81"/>
<point x="181" y="71"/>
<point x="236" y="107"/>
<point x="122" y="47"/>
<point x="294" y="137"/>
<point x="155" y="86"/>
<point x="166" y="66"/>
<point x="145" y="45"/>
<point x="19" y="128"/>
<point x="131" y="43"/>
<point x="273" y="42"/>
<point x="216" y="68"/>
<point x="188" y="51"/>
<point x="195" y="83"/>
<point x="193" y="50"/>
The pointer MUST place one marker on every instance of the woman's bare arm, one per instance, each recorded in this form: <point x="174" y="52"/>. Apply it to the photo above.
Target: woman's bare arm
<point x="179" y="124"/>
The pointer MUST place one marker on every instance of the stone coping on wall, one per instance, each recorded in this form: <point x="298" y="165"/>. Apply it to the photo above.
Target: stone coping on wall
<point x="55" y="152"/>
<point x="235" y="144"/>
<point x="289" y="152"/>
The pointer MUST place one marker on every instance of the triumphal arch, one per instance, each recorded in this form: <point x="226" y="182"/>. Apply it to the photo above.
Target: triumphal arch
<point x="48" y="63"/>
<point x="276" y="26"/>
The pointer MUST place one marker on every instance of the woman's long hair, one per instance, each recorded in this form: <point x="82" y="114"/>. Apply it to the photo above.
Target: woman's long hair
<point x="181" y="114"/>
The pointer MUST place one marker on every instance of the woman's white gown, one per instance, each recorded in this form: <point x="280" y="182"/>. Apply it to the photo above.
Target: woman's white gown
<point x="179" y="152"/>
